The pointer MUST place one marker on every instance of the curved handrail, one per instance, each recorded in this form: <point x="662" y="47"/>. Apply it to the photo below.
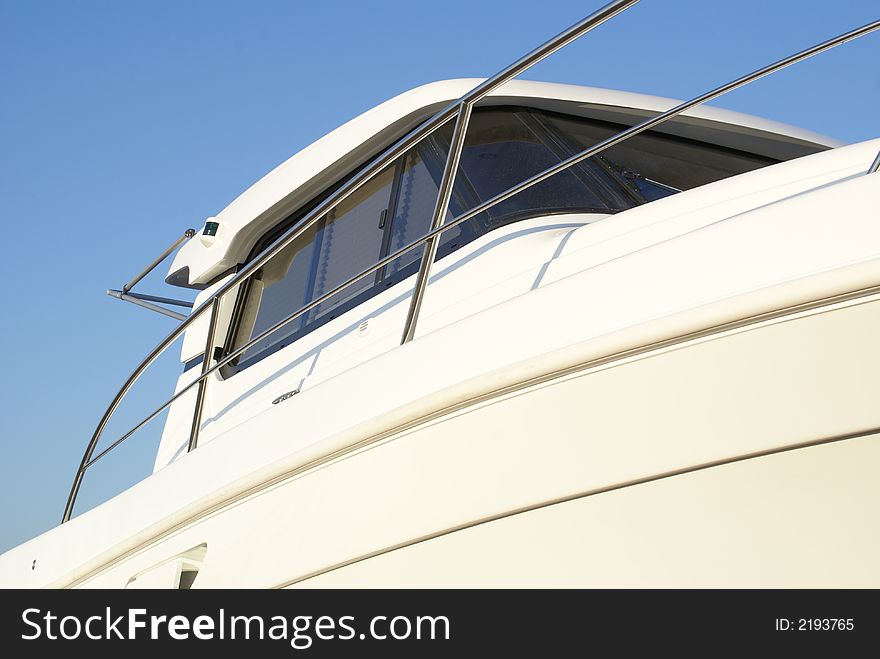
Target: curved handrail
<point x="678" y="109"/>
<point x="389" y="155"/>
<point x="456" y="109"/>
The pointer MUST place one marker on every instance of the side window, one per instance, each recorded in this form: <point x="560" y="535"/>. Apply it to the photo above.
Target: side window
<point x="349" y="240"/>
<point x="673" y="162"/>
<point x="271" y="294"/>
<point x="504" y="146"/>
<point x="419" y="180"/>
<point x="338" y="246"/>
<point x="390" y="211"/>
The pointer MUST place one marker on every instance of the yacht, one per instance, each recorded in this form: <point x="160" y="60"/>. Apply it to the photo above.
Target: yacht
<point x="502" y="332"/>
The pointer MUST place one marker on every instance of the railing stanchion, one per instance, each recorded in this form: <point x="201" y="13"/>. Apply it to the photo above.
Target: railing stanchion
<point x="441" y="206"/>
<point x="203" y="380"/>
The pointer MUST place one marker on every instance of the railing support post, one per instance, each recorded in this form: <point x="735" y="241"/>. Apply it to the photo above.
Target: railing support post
<point x="203" y="381"/>
<point x="440" y="209"/>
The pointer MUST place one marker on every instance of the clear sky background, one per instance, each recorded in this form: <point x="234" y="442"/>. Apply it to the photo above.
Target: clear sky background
<point x="124" y="123"/>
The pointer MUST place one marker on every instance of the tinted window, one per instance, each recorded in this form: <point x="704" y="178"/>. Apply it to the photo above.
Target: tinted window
<point x="672" y="161"/>
<point x="420" y="172"/>
<point x="279" y="287"/>
<point x="504" y="147"/>
<point x="342" y="243"/>
<point x="349" y="240"/>
<point x="388" y="212"/>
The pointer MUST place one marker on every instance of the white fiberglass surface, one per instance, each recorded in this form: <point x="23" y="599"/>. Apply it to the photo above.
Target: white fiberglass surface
<point x="504" y="264"/>
<point x="498" y="266"/>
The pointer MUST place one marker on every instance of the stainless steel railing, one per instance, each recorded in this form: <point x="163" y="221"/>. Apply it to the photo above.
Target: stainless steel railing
<point x="460" y="110"/>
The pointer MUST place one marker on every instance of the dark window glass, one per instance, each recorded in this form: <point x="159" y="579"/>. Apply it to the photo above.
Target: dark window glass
<point x="420" y="172"/>
<point x="676" y="162"/>
<point x="342" y="243"/>
<point x="278" y="288"/>
<point x="504" y="147"/>
<point x="349" y="241"/>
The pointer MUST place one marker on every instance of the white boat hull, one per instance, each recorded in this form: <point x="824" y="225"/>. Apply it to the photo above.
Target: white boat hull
<point x="746" y="456"/>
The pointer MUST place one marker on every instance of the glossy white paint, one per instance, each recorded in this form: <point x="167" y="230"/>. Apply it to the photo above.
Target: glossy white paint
<point x="765" y="387"/>
<point x="529" y="255"/>
<point x="781" y="521"/>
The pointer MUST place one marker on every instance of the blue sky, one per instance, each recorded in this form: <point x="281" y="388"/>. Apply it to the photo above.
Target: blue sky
<point x="123" y="123"/>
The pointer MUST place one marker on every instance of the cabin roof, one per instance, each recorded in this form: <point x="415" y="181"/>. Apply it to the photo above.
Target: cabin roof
<point x="311" y="170"/>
